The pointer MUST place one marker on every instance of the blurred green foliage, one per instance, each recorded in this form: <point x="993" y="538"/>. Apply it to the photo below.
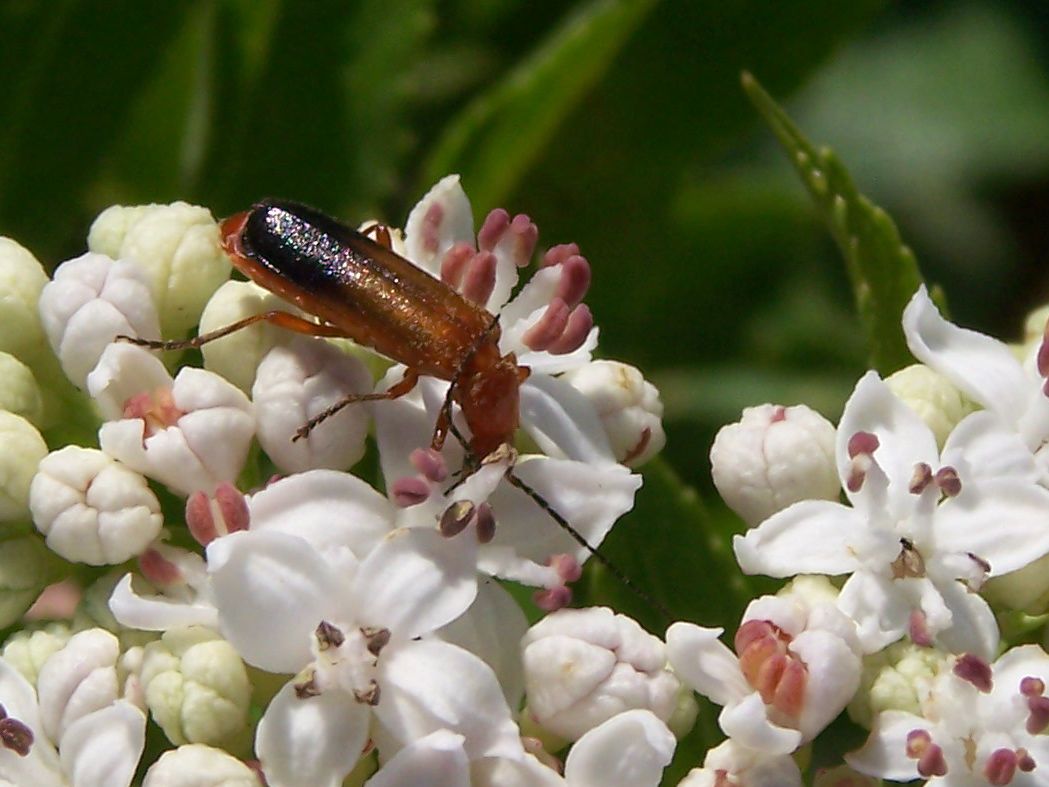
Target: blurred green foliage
<point x="619" y="124"/>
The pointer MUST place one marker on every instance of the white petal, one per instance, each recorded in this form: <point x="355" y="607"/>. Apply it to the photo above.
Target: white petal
<point x="562" y="421"/>
<point x="629" y="749"/>
<point x="981" y="447"/>
<point x="416" y="581"/>
<point x="903" y="438"/>
<point x="590" y="498"/>
<point x="984" y="368"/>
<point x="436" y="760"/>
<point x="748" y="723"/>
<point x="431" y="685"/>
<point x="701" y="660"/>
<point x="1002" y="522"/>
<point x="103" y="748"/>
<point x="973" y="628"/>
<point x="884" y="755"/>
<point x="834" y="677"/>
<point x="810" y="537"/>
<point x="157" y="613"/>
<point x="506" y="772"/>
<point x="315" y="741"/>
<point x="441" y="219"/>
<point x="123" y="371"/>
<point x="284" y="577"/>
<point x="492" y="628"/>
<point x="41" y="765"/>
<point x="880" y="610"/>
<point x="326" y="508"/>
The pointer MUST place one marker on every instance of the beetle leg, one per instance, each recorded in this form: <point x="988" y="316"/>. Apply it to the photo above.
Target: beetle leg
<point x="411" y="377"/>
<point x="284" y="320"/>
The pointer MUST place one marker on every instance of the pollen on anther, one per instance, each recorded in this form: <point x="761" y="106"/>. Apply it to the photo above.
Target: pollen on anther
<point x="974" y="670"/>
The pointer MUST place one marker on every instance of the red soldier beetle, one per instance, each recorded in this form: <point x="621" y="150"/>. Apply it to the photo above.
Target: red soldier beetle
<point x="362" y="290"/>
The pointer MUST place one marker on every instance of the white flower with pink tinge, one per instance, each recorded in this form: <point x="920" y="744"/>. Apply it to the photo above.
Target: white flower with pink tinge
<point x="981" y="724"/>
<point x="924" y="528"/>
<point x="796" y="666"/>
<point x="730" y="764"/>
<point x="190" y="433"/>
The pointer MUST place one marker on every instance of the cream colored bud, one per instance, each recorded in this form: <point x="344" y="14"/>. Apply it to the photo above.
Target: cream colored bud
<point x="21" y="449"/>
<point x="583" y="666"/>
<point x="27" y="650"/>
<point x="772" y="457"/>
<point x="628" y="406"/>
<point x="19" y="392"/>
<point x="896" y="678"/>
<point x="196" y="686"/>
<point x="237" y="356"/>
<point x="178" y="245"/>
<point x="932" y="396"/>
<point x="1026" y="589"/>
<point x="22" y="278"/>
<point x="196" y="765"/>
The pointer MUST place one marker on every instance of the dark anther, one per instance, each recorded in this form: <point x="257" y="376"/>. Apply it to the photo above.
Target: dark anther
<point x="329" y="636"/>
<point x="377" y="639"/>
<point x="455" y="518"/>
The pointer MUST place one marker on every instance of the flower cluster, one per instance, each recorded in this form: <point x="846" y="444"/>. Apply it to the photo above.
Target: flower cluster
<point x="908" y="531"/>
<point x="281" y="620"/>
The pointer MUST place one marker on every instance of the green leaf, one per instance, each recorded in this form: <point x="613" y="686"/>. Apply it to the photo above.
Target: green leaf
<point x="883" y="270"/>
<point x="498" y="137"/>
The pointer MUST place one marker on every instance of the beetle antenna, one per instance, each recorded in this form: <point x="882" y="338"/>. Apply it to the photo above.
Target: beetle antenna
<point x="613" y="569"/>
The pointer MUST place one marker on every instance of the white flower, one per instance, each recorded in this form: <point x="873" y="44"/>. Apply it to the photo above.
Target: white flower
<point x="185" y="599"/>
<point x="197" y="765"/>
<point x="22" y="278"/>
<point x="178" y="247"/>
<point x="629" y="750"/>
<point x="74" y="730"/>
<point x="773" y="457"/>
<point x="351" y="629"/>
<point x="91" y="300"/>
<point x="731" y="763"/>
<point x="196" y="686"/>
<point x="27" y="651"/>
<point x="985" y="370"/>
<point x="982" y="724"/>
<point x="190" y="433"/>
<point x="628" y="406"/>
<point x="584" y="666"/>
<point x="21" y="449"/>
<point x="924" y="527"/>
<point x="294" y="383"/>
<point x="797" y="667"/>
<point x="589" y="490"/>
<point x="91" y="508"/>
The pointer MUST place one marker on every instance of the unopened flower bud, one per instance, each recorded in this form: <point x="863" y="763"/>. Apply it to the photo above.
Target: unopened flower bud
<point x="27" y="651"/>
<point x="21" y="449"/>
<point x="197" y="765"/>
<point x="92" y="300"/>
<point x="932" y="396"/>
<point x="26" y="568"/>
<point x="79" y="679"/>
<point x="22" y="279"/>
<point x="178" y="246"/>
<point x="896" y="678"/>
<point x="237" y="356"/>
<point x="19" y="392"/>
<point x="91" y="508"/>
<point x="1026" y="589"/>
<point x="196" y="686"/>
<point x="628" y="405"/>
<point x="583" y="666"/>
<point x="772" y="457"/>
<point x="298" y="381"/>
